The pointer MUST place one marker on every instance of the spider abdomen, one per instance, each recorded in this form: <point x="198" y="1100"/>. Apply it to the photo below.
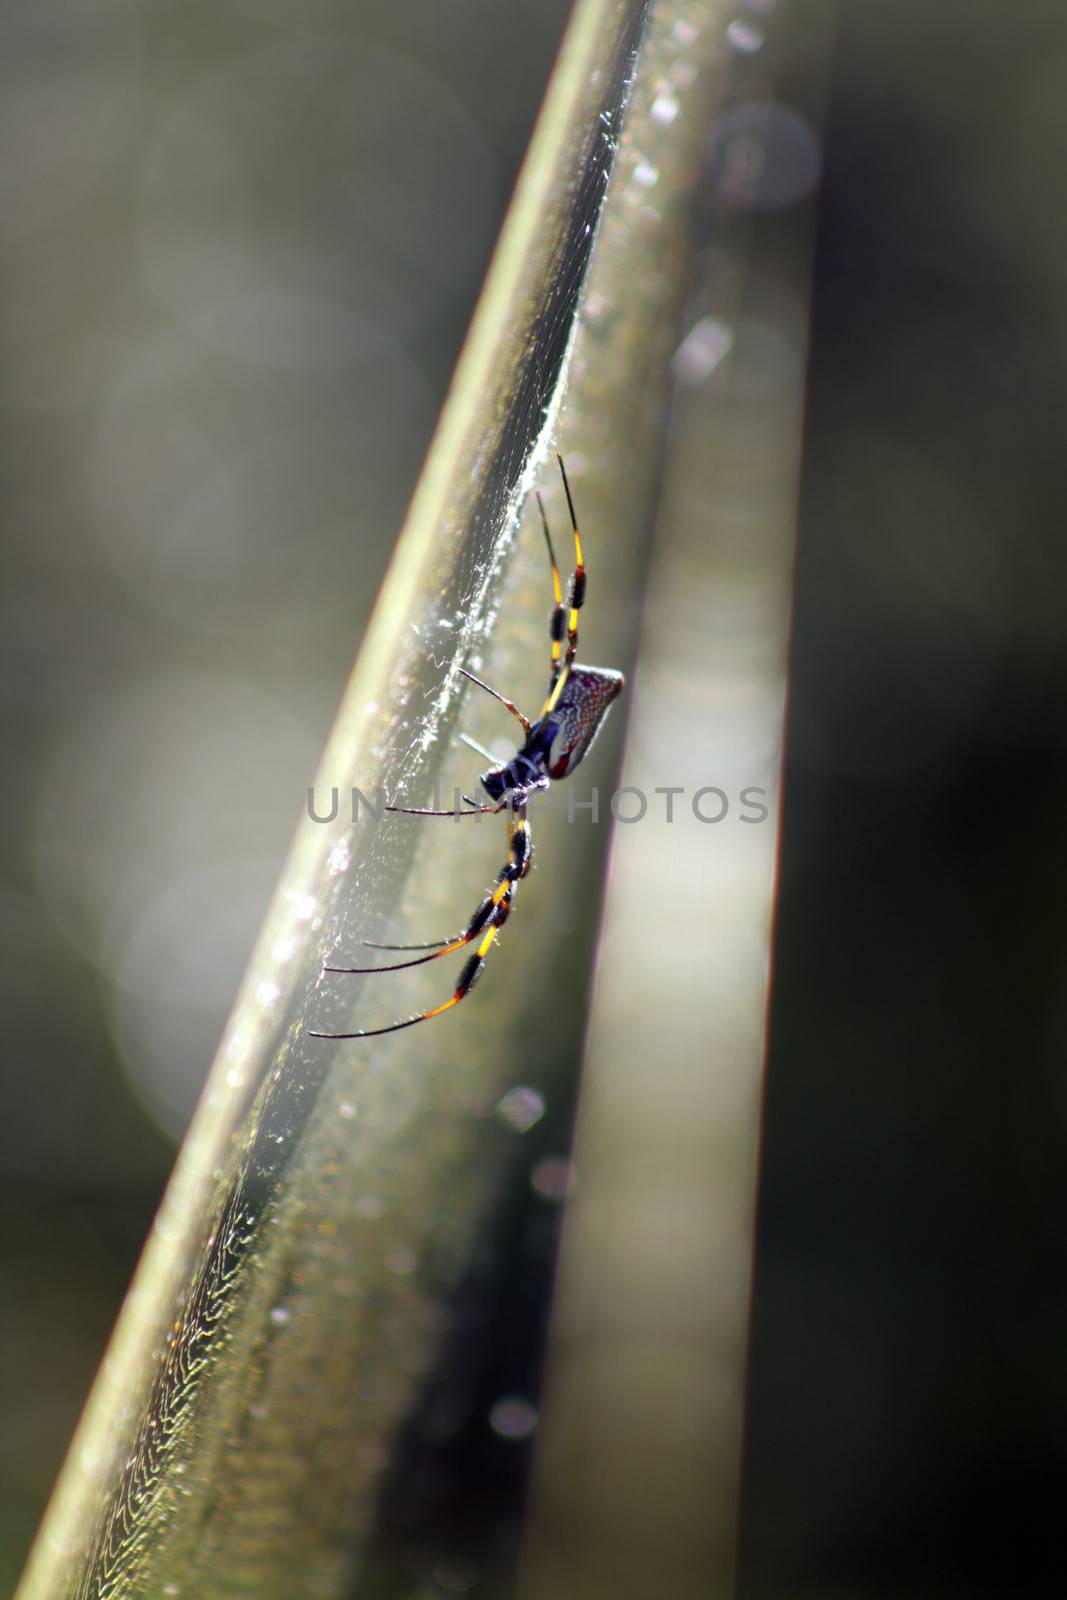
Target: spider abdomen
<point x="579" y="715"/>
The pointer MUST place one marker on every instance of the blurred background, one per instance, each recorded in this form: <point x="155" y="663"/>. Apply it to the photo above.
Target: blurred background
<point x="243" y="241"/>
<point x="908" y="1402"/>
<point x="242" y="245"/>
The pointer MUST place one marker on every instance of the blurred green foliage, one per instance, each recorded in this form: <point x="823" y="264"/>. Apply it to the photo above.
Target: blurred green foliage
<point x="224" y="346"/>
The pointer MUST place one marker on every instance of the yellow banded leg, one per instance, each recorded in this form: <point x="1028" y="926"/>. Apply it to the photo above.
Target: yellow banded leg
<point x="556" y="625"/>
<point x="577" y="586"/>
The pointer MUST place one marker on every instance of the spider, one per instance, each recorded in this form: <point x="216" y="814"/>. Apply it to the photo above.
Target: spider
<point x="575" y="706"/>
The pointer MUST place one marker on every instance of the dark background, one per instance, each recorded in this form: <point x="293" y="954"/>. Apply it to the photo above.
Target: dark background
<point x="220" y="327"/>
<point x="908" y="1402"/>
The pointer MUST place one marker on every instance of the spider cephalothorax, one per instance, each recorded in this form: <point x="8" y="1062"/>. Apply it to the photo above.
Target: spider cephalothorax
<point x="559" y="739"/>
<point x="575" y="706"/>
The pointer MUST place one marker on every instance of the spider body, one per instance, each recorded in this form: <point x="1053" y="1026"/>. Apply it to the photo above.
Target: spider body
<point x="524" y="771"/>
<point x="576" y="720"/>
<point x="575" y="706"/>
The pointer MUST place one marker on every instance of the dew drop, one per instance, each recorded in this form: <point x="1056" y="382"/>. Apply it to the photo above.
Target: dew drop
<point x="664" y="109"/>
<point x="513" y="1418"/>
<point x="700" y="352"/>
<point x="553" y="1178"/>
<point x="520" y="1108"/>
<point x="744" y="37"/>
<point x="456" y="1575"/>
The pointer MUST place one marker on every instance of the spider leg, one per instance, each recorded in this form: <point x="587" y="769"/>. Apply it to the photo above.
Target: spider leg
<point x="432" y="944"/>
<point x="561" y="671"/>
<point x="479" y="749"/>
<point x="423" y="811"/>
<point x="487" y="921"/>
<point x="555" y="626"/>
<point x="444" y="947"/>
<point x="504" y="701"/>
